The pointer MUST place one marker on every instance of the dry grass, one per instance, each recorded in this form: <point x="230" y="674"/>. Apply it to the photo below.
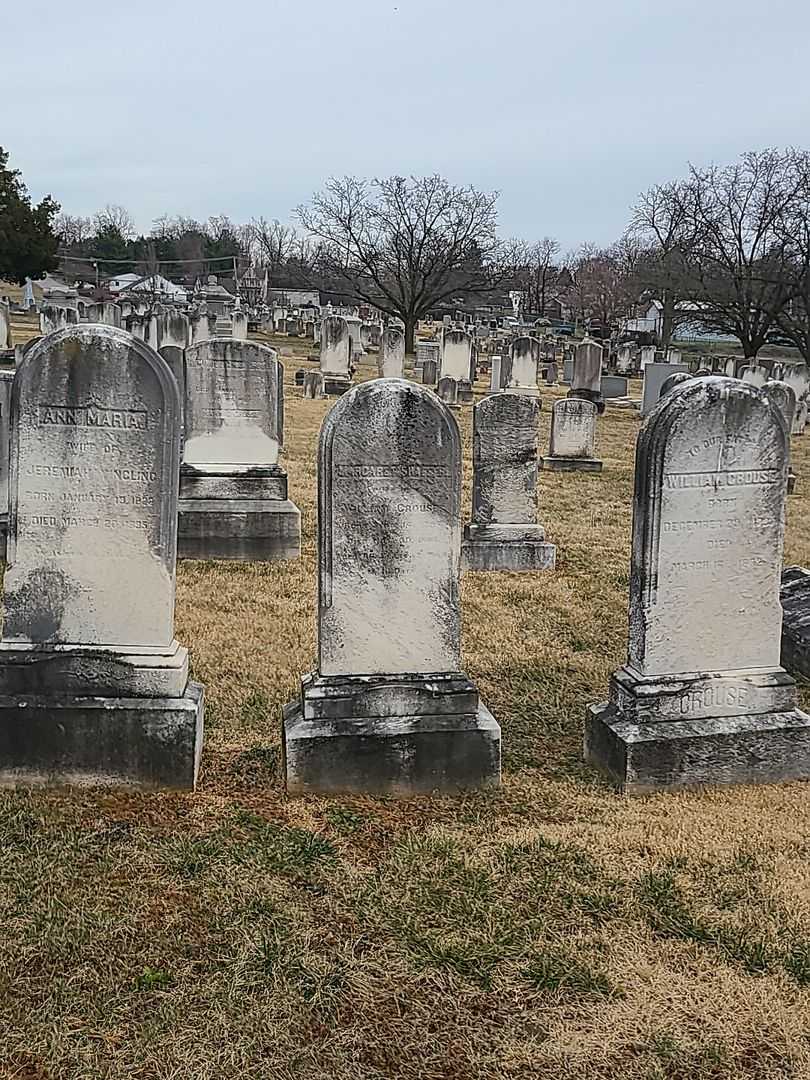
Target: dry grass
<point x="548" y="929"/>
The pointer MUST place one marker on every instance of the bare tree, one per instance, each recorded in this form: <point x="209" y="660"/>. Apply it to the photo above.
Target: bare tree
<point x="406" y="245"/>
<point x="73" y="230"/>
<point x="602" y="292"/>
<point x="272" y="244"/>
<point x="794" y="229"/>
<point x="115" y="219"/>
<point x="664" y="223"/>
<point x="739" y="271"/>
<point x="537" y="272"/>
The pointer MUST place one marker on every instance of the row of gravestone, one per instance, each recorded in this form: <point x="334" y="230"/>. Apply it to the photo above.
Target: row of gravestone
<point x="94" y="688"/>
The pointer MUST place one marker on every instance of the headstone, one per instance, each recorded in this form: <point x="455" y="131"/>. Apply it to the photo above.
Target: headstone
<point x="783" y="398"/>
<point x="654" y="377"/>
<point x="174" y="329"/>
<point x="456" y="357"/>
<point x="552" y="373"/>
<point x="392" y="354"/>
<point x="795" y="599"/>
<point x="613" y="386"/>
<point x="754" y="374"/>
<point x="646" y="356"/>
<point x="568" y="371"/>
<point x="335" y="354"/>
<point x="239" y="330"/>
<point x="587" y="369"/>
<point x="624" y="360"/>
<point x="5" y="326"/>
<point x="430" y="372"/>
<point x="93" y="686"/>
<point x="798" y="378"/>
<point x="313" y="385"/>
<point x="389" y="709"/>
<point x="504" y="533"/>
<point x="524" y="355"/>
<point x="447" y="389"/>
<point x="111" y="314"/>
<point x="673" y="380"/>
<point x="702" y="698"/>
<point x="573" y="437"/>
<point x="357" y="352"/>
<point x="6" y="383"/>
<point x="202" y="327"/>
<point x="495" y="375"/>
<point x="233" y="491"/>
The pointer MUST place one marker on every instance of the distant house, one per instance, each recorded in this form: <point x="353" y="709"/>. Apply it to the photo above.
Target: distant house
<point x="648" y="319"/>
<point x="155" y="284"/>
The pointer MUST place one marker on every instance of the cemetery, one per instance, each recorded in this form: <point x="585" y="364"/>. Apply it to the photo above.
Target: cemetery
<point x="368" y="778"/>
<point x="405" y="643"/>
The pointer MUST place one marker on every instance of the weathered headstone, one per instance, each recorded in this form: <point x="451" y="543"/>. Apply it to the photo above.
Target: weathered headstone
<point x="356" y="350"/>
<point x="447" y="390"/>
<point x="613" y="386"/>
<point x="754" y="374"/>
<point x="524" y="354"/>
<point x="175" y="357"/>
<point x="335" y="354"/>
<point x="389" y="709"/>
<point x="6" y="383"/>
<point x="239" y="330"/>
<point x="798" y="378"/>
<point x="5" y="326"/>
<point x="586" y="374"/>
<point x="552" y="373"/>
<point x="646" y="356"/>
<point x="794" y="595"/>
<point x="654" y="377"/>
<point x="392" y="354"/>
<point x="93" y="686"/>
<point x="504" y="533"/>
<point x="430" y="372"/>
<point x="313" y="385"/>
<point x="233" y="491"/>
<point x="783" y="397"/>
<point x="456" y="357"/>
<point x="702" y="698"/>
<point x="573" y="436"/>
<point x="495" y="375"/>
<point x="673" y="380"/>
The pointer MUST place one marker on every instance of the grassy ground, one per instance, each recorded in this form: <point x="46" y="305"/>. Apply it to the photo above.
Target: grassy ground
<point x="550" y="929"/>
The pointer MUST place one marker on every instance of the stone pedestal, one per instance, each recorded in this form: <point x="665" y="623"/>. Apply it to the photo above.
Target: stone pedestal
<point x="735" y="727"/>
<point x="507" y="547"/>
<point x="389" y="735"/>
<point x="243" y="516"/>
<point x="335" y="385"/>
<point x="570" y="464"/>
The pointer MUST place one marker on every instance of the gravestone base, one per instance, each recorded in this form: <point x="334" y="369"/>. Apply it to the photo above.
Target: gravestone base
<point x="88" y="671"/>
<point x="660" y="755"/>
<point x="335" y="385"/>
<point x="101" y="741"/>
<point x="732" y="727"/>
<point x="517" y="548"/>
<point x="240" y="516"/>
<point x="389" y="735"/>
<point x="571" y="464"/>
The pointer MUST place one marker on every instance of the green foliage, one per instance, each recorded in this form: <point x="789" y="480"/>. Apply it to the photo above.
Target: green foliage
<point x="28" y="244"/>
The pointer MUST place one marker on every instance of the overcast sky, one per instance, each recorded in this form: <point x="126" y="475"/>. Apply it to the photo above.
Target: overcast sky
<point x="568" y="108"/>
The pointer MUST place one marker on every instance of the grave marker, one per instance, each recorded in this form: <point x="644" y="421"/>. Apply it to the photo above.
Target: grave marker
<point x="573" y="437"/>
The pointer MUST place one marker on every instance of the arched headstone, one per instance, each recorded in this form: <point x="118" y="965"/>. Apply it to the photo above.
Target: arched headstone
<point x="389" y="709"/>
<point x="100" y="685"/>
<point x="335" y="354"/>
<point x="233" y="491"/>
<point x="504" y="533"/>
<point x="573" y="436"/>
<point x="702" y="698"/>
